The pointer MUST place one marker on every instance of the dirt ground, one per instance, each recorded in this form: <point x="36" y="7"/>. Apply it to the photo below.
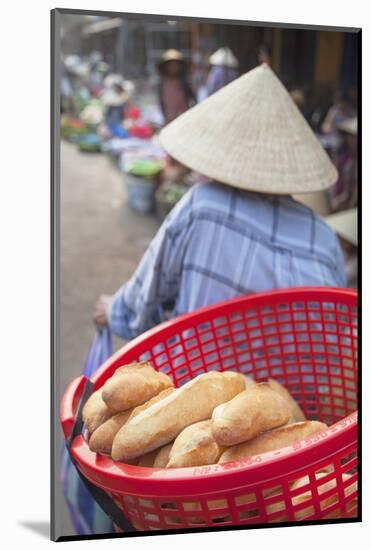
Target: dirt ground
<point x="102" y="241"/>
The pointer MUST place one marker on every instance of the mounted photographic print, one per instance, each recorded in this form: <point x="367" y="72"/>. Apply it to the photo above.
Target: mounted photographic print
<point x="205" y="309"/>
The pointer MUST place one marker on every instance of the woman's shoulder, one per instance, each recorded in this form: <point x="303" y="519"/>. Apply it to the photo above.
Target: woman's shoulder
<point x="210" y="193"/>
<point x="201" y="197"/>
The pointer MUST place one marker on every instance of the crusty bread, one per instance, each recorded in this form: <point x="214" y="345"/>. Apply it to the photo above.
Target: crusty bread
<point x="195" y="446"/>
<point x="273" y="440"/>
<point x="162" y="422"/>
<point x="147" y="459"/>
<point x="249" y="381"/>
<point x="133" y="385"/>
<point x="157" y="458"/>
<point x="162" y="456"/>
<point x="255" y="410"/>
<point x="150" y="402"/>
<point x="102" y="438"/>
<point x="95" y="411"/>
<point x="297" y="414"/>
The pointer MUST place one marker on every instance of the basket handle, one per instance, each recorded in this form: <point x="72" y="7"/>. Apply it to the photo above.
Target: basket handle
<point x="70" y="401"/>
<point x="84" y="387"/>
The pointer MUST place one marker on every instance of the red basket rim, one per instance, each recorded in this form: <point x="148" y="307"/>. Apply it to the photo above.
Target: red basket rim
<point x="115" y="476"/>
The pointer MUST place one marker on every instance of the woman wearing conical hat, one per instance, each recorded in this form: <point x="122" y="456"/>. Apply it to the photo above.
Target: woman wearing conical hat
<point x="174" y="92"/>
<point x="241" y="232"/>
<point x="345" y="193"/>
<point x="224" y="69"/>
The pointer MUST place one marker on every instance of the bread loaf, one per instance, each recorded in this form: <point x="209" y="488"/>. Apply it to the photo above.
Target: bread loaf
<point x="297" y="414"/>
<point x="255" y="410"/>
<point x="157" y="458"/>
<point x="162" y="422"/>
<point x="150" y="402"/>
<point x="273" y="440"/>
<point x="102" y="438"/>
<point x="133" y="385"/>
<point x="95" y="411"/>
<point x="162" y="456"/>
<point x="195" y="446"/>
<point x="147" y="459"/>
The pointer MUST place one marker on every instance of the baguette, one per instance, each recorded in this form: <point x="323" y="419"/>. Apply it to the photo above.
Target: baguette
<point x="157" y="458"/>
<point x="255" y="410"/>
<point x="297" y="414"/>
<point x="150" y="402"/>
<point x="147" y="460"/>
<point x="102" y="438"/>
<point x="162" y="456"/>
<point x="195" y="446"/>
<point x="95" y="411"/>
<point x="249" y="381"/>
<point x="133" y="385"/>
<point x="162" y="422"/>
<point x="273" y="440"/>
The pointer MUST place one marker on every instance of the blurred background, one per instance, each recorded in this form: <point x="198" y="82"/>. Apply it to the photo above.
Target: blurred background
<point x="121" y="80"/>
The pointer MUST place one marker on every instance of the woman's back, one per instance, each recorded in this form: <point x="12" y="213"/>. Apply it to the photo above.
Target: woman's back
<point x="237" y="242"/>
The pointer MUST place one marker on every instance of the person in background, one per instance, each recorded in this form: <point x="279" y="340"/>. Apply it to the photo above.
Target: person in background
<point x="224" y="69"/>
<point x="174" y="91"/>
<point x="66" y="91"/>
<point x="241" y="232"/>
<point x="115" y="98"/>
<point x="264" y="55"/>
<point x="345" y="225"/>
<point x="344" y="194"/>
<point x="338" y="112"/>
<point x="98" y="70"/>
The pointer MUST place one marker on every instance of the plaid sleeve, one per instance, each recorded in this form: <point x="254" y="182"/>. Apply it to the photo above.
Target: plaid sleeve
<point x="138" y="304"/>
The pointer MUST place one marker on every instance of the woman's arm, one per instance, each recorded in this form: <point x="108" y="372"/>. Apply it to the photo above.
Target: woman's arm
<point x="138" y="304"/>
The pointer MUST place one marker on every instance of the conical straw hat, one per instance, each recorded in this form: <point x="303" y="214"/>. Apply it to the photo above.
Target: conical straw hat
<point x="349" y="126"/>
<point x="251" y="135"/>
<point x="171" y="55"/>
<point x="223" y="57"/>
<point x="345" y="224"/>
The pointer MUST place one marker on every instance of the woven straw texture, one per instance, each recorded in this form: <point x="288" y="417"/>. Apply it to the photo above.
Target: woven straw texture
<point x="251" y="135"/>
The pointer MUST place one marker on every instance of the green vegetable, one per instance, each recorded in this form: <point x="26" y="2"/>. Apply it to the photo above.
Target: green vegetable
<point x="144" y="168"/>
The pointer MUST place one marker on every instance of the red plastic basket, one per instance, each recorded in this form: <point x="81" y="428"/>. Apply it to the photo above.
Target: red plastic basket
<point x="306" y="338"/>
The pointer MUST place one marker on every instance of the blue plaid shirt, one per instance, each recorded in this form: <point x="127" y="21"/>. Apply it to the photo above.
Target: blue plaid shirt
<point x="219" y="242"/>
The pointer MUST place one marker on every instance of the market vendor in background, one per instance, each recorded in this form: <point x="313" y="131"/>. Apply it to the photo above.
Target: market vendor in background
<point x="344" y="194"/>
<point x="98" y="71"/>
<point x="340" y="110"/>
<point x="224" y="69"/>
<point x="174" y="91"/>
<point x="115" y="98"/>
<point x="66" y="90"/>
<point x="241" y="232"/>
